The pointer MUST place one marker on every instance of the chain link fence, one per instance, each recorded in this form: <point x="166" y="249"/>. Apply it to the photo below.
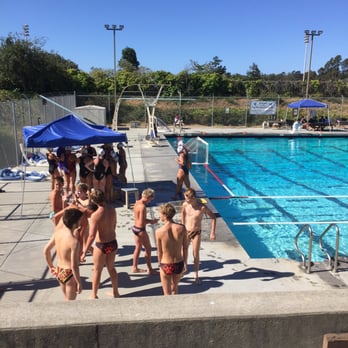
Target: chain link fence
<point x="15" y="114"/>
<point x="208" y="111"/>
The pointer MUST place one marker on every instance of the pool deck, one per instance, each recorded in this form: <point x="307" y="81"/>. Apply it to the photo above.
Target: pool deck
<point x="225" y="267"/>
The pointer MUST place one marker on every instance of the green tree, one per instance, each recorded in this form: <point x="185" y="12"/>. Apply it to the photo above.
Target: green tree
<point x="331" y="69"/>
<point x="103" y="79"/>
<point x="344" y="69"/>
<point x="127" y="78"/>
<point x="81" y="80"/>
<point x="26" y="67"/>
<point x="17" y="58"/>
<point x="213" y="66"/>
<point x="236" y="86"/>
<point x="129" y="61"/>
<point x="254" y="72"/>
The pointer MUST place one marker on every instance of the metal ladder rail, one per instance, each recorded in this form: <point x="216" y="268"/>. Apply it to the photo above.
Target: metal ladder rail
<point x="335" y="264"/>
<point x="310" y="231"/>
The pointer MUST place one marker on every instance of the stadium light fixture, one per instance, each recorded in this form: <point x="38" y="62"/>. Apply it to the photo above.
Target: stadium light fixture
<point x="26" y="31"/>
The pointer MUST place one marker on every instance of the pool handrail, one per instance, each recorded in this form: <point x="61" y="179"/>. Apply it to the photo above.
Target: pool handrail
<point x="324" y="250"/>
<point x="310" y="231"/>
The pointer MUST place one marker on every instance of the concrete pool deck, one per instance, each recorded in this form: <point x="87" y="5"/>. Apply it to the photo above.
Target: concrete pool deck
<point x="227" y="273"/>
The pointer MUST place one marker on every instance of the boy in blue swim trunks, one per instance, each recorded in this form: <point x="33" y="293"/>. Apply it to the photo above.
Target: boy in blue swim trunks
<point x="171" y="241"/>
<point x="141" y="238"/>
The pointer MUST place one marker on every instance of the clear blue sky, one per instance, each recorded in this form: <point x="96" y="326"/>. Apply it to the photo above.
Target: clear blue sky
<point x="168" y="35"/>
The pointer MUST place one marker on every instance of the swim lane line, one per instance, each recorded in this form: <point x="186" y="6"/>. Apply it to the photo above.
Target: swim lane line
<point x="218" y="180"/>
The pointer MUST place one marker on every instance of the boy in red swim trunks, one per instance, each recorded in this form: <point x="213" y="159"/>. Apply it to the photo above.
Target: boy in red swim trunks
<point x="67" y="249"/>
<point x="171" y="241"/>
<point x="103" y="230"/>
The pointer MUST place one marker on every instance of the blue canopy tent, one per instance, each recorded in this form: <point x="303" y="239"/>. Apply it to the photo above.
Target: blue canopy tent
<point x="69" y="131"/>
<point x="309" y="104"/>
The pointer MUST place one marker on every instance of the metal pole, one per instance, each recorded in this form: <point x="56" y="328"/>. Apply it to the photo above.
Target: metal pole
<point x="115" y="80"/>
<point x="180" y="105"/>
<point x="305" y="57"/>
<point x="309" y="67"/>
<point x="114" y="27"/>
<point x="29" y="108"/>
<point x="246" y="111"/>
<point x="311" y="34"/>
<point x="212" y="111"/>
<point x="15" y="131"/>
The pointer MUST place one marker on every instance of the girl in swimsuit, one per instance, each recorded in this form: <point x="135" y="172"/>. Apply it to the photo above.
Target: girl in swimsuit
<point x="52" y="160"/>
<point x="183" y="175"/>
<point x="70" y="161"/>
<point x="86" y="176"/>
<point x="122" y="163"/>
<point x="99" y="167"/>
<point x="111" y="172"/>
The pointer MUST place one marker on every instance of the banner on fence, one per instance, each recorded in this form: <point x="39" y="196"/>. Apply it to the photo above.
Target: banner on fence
<point x="263" y="107"/>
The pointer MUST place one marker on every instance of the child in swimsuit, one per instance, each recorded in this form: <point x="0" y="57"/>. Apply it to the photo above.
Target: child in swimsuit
<point x="172" y="268"/>
<point x="63" y="275"/>
<point x="137" y="230"/>
<point x="171" y="241"/>
<point x="108" y="247"/>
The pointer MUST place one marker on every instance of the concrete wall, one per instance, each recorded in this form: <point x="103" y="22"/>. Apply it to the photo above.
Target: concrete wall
<point x="231" y="320"/>
<point x="92" y="113"/>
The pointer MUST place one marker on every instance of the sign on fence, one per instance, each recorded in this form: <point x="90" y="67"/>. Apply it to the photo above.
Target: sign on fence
<point x="263" y="107"/>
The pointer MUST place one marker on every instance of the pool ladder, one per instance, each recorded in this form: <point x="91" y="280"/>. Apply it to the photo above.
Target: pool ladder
<point x="333" y="262"/>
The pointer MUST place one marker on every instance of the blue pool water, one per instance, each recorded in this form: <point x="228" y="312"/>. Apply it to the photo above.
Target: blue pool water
<point x="277" y="186"/>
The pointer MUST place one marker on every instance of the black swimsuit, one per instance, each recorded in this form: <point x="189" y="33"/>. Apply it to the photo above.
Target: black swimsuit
<point x="83" y="170"/>
<point x="52" y="165"/>
<point x="137" y="230"/>
<point x="99" y="170"/>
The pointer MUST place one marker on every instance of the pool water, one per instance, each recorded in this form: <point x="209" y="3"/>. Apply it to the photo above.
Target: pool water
<point x="266" y="189"/>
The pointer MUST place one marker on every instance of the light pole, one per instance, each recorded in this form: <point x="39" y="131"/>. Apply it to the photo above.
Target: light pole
<point x="26" y="31"/>
<point x="311" y="34"/>
<point x="114" y="27"/>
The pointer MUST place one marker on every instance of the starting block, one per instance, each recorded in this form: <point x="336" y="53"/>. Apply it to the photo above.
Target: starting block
<point x="127" y="191"/>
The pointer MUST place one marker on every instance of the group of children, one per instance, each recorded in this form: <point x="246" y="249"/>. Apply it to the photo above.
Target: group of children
<point x="88" y="224"/>
<point x="97" y="168"/>
<point x="77" y="227"/>
<point x="93" y="223"/>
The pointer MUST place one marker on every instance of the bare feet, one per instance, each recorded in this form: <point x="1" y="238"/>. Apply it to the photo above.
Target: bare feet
<point x="152" y="272"/>
<point x="139" y="270"/>
<point x="115" y="295"/>
<point x="177" y="196"/>
<point x="94" y="297"/>
<point x="197" y="281"/>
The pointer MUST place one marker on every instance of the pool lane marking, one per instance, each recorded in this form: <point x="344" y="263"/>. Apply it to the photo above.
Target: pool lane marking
<point x="277" y="197"/>
<point x="219" y="180"/>
<point x="289" y="223"/>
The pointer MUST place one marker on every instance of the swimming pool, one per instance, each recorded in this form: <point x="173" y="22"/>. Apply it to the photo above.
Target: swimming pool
<point x="266" y="189"/>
